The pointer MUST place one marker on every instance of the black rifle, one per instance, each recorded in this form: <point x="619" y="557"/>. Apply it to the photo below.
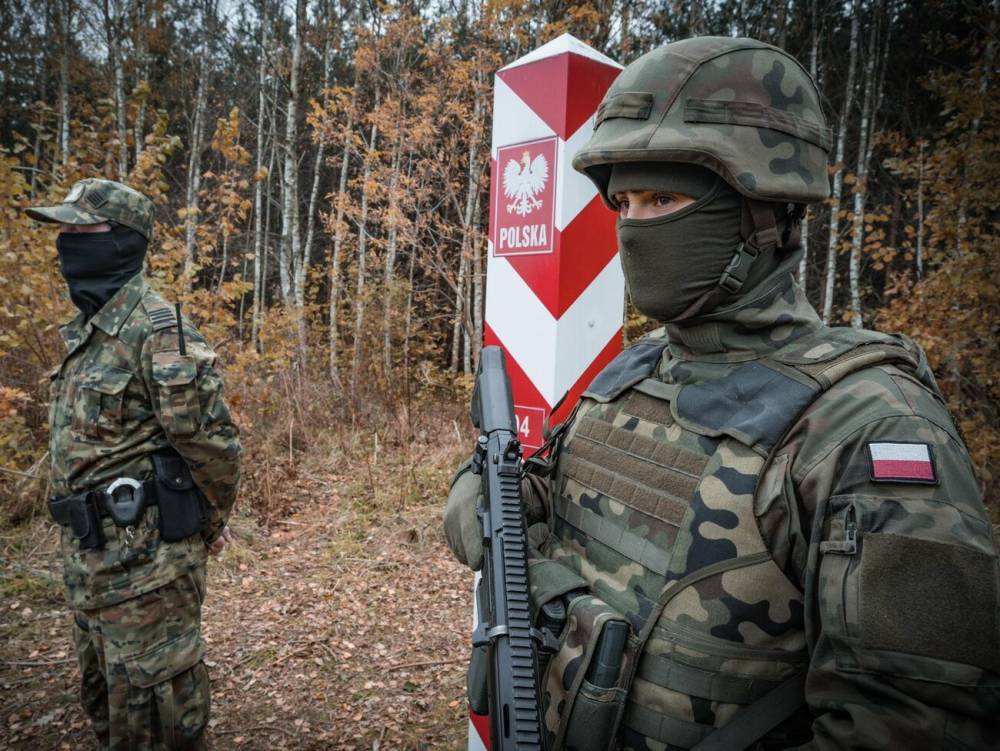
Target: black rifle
<point x="505" y="625"/>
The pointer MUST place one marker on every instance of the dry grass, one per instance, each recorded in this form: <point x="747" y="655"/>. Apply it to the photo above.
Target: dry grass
<point x="341" y="625"/>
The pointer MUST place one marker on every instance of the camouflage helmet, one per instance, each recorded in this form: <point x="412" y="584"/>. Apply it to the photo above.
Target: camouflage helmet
<point x="744" y="109"/>
<point x="93" y="201"/>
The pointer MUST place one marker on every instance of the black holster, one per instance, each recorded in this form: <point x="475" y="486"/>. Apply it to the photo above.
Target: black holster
<point x="83" y="515"/>
<point x="183" y="509"/>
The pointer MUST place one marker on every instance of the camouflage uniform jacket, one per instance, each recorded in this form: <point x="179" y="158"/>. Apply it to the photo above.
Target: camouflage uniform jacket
<point x="738" y="564"/>
<point x="123" y="392"/>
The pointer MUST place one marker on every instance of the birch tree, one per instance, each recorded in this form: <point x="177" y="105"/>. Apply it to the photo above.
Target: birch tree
<point x="390" y="249"/>
<point x="65" y="10"/>
<point x="477" y="241"/>
<point x="272" y="160"/>
<point x="340" y="205"/>
<point x="143" y="19"/>
<point x="208" y="17"/>
<point x="113" y="14"/>
<point x="478" y="283"/>
<point x="319" y="163"/>
<point x="921" y="149"/>
<point x="457" y="328"/>
<point x="869" y="108"/>
<point x="259" y="175"/>
<point x="838" y="174"/>
<point x="291" y="241"/>
<point x="815" y="35"/>
<point x="460" y="327"/>
<point x="362" y="260"/>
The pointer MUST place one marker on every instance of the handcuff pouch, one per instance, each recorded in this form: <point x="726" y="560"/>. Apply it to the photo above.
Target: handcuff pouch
<point x="183" y="509"/>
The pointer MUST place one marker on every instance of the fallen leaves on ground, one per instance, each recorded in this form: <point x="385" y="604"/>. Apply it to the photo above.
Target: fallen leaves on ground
<point x="343" y="626"/>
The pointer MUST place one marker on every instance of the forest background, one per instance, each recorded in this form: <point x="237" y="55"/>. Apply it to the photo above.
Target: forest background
<point x="320" y="169"/>
<point x="321" y="175"/>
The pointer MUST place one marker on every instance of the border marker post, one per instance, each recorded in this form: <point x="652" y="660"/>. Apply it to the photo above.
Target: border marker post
<point x="555" y="292"/>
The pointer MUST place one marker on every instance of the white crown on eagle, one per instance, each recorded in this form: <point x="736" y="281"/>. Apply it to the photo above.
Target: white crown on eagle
<point x="523" y="180"/>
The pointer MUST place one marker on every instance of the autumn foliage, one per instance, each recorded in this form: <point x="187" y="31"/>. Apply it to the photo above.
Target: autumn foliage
<point x="321" y="175"/>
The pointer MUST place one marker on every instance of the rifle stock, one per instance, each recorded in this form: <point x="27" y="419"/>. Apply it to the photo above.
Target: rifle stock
<point x="505" y="626"/>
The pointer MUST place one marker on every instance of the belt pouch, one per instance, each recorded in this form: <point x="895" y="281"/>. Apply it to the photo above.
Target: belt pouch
<point x="182" y="505"/>
<point x="587" y="711"/>
<point x="85" y="521"/>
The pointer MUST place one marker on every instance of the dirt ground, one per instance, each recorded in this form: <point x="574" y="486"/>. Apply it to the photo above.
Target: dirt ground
<point x="344" y="625"/>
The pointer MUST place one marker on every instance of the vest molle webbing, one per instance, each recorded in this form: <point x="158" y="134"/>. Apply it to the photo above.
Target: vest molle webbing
<point x="654" y="511"/>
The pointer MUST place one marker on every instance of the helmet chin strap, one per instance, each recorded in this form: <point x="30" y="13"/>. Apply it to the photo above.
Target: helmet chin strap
<point x="761" y="233"/>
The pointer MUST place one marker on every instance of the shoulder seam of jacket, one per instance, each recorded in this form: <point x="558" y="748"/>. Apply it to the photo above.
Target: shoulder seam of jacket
<point x="799" y="476"/>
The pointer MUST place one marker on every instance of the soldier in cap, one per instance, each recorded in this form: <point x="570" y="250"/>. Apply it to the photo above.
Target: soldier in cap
<point x="780" y="517"/>
<point x="145" y="466"/>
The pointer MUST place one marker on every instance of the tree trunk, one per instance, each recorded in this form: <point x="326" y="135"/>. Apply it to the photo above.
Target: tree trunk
<point x="984" y="84"/>
<point x="468" y="229"/>
<point x="291" y="241"/>
<point x="920" y="210"/>
<point x="197" y="140"/>
<point x="66" y="37"/>
<point x="390" y="251"/>
<point x="814" y="72"/>
<point x="113" y="23"/>
<point x="320" y="161"/>
<point x="338" y="239"/>
<point x="272" y="159"/>
<point x="456" y="329"/>
<point x="838" y="175"/>
<point x="408" y="317"/>
<point x="300" y="277"/>
<point x="142" y="55"/>
<point x="860" y="172"/>
<point x="782" y="23"/>
<point x="258" y="187"/>
<point x="478" y="284"/>
<point x="625" y="44"/>
<point x="359" y="303"/>
<point x="869" y="111"/>
<point x="467" y="331"/>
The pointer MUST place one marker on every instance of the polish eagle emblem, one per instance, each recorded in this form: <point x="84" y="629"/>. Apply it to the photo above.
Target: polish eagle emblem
<point x="522" y="181"/>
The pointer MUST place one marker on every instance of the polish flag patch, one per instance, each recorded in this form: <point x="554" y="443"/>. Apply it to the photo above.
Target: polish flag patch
<point x="902" y="462"/>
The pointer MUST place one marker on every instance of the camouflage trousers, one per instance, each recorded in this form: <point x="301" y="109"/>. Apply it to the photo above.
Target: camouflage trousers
<point x="144" y="684"/>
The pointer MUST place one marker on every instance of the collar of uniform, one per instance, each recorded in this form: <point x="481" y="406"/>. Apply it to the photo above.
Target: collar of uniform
<point x="110" y="318"/>
<point x="74" y="331"/>
<point x="750" y="329"/>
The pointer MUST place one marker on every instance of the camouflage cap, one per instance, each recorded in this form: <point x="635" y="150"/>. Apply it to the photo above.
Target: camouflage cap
<point x="744" y="109"/>
<point x="93" y="201"/>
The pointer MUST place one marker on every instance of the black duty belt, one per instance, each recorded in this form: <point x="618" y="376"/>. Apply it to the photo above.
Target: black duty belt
<point x="124" y="500"/>
<point x="183" y="509"/>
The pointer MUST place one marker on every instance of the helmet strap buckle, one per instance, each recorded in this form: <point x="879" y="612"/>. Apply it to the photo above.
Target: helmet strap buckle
<point x="763" y="236"/>
<point x="736" y="273"/>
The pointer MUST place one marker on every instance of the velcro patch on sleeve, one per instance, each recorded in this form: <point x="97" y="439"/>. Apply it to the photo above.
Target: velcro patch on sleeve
<point x="901" y="462"/>
<point x="931" y="599"/>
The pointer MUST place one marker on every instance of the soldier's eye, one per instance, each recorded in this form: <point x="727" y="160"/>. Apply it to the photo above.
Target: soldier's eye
<point x="663" y="199"/>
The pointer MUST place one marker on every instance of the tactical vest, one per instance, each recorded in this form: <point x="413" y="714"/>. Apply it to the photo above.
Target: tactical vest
<point x="654" y="523"/>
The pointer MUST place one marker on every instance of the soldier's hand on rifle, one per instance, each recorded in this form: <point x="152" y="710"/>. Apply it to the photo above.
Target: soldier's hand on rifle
<point x="462" y="527"/>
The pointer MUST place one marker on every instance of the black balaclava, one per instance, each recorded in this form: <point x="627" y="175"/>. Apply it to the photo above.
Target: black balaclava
<point x="672" y="263"/>
<point x="96" y="265"/>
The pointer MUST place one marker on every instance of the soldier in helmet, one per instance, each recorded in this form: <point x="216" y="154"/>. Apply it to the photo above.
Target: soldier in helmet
<point x="145" y="465"/>
<point x="780" y="516"/>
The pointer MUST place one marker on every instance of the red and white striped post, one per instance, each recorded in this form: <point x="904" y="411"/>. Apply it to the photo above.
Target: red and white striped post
<point x="554" y="287"/>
